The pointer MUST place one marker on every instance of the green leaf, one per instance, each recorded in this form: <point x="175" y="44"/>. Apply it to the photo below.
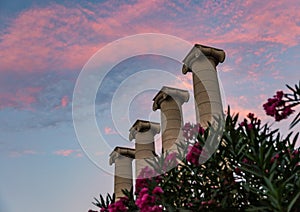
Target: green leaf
<point x="102" y="200"/>
<point x="293" y="202"/>
<point x="292" y="89"/>
<point x="98" y="204"/>
<point x="261" y="208"/>
<point x="243" y="168"/>
<point x="273" y="192"/>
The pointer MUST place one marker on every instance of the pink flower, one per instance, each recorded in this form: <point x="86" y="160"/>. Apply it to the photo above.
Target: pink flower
<point x="194" y="154"/>
<point x="272" y="160"/>
<point x="156" y="208"/>
<point x="250" y="126"/>
<point x="117" y="206"/>
<point x="250" y="116"/>
<point x="140" y="184"/>
<point x="143" y="178"/>
<point x="277" y="108"/>
<point x="144" y="191"/>
<point x="279" y="95"/>
<point x="147" y="172"/>
<point x="190" y="204"/>
<point x="192" y="131"/>
<point x="245" y="160"/>
<point x="157" y="190"/>
<point x="201" y="130"/>
<point x="187" y="126"/>
<point x="148" y="201"/>
<point x="237" y="170"/>
<point x="210" y="202"/>
<point x="144" y="201"/>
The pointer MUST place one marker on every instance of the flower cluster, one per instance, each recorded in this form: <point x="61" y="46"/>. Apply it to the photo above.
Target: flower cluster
<point x="251" y="164"/>
<point x="191" y="131"/>
<point x="254" y="122"/>
<point x="194" y="154"/>
<point x="145" y="178"/>
<point x="117" y="206"/>
<point x="277" y="107"/>
<point x="148" y="201"/>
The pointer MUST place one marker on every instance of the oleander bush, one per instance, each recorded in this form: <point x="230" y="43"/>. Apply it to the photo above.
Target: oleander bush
<point x="255" y="168"/>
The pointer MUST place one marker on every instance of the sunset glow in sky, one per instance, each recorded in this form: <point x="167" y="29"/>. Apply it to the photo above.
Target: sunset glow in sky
<point x="45" y="44"/>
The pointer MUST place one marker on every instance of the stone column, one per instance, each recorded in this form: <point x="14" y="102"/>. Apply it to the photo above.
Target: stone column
<point x="143" y="132"/>
<point x="169" y="101"/>
<point x="122" y="158"/>
<point x="202" y="62"/>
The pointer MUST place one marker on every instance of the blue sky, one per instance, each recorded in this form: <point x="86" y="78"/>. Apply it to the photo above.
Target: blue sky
<point x="45" y="44"/>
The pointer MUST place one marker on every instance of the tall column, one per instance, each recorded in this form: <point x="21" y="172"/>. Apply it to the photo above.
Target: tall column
<point x="202" y="62"/>
<point x="169" y="101"/>
<point x="122" y="158"/>
<point x="143" y="132"/>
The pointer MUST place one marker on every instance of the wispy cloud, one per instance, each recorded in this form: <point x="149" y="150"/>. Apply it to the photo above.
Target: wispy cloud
<point x="41" y="44"/>
<point x="22" y="98"/>
<point x="15" y="154"/>
<point x="69" y="152"/>
<point x="109" y="131"/>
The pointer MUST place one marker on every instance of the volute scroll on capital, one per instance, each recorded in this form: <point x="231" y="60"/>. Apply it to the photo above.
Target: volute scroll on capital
<point x="178" y="95"/>
<point x="211" y="53"/>
<point x="121" y="151"/>
<point x="143" y="126"/>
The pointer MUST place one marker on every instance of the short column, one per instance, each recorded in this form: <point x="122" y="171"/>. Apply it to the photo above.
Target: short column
<point x="122" y="158"/>
<point x="169" y="101"/>
<point x="143" y="132"/>
<point x="202" y="62"/>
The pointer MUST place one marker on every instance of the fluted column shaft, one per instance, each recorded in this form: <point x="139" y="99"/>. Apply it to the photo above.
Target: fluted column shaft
<point x="143" y="132"/>
<point x="169" y="101"/>
<point x="122" y="158"/>
<point x="202" y="62"/>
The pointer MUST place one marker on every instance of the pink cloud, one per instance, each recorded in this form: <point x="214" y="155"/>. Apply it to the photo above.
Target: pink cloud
<point x="64" y="152"/>
<point x="66" y="37"/>
<point x="15" y="154"/>
<point x="109" y="131"/>
<point x="64" y="101"/>
<point x="23" y="98"/>
<point x="79" y="155"/>
<point x="63" y="38"/>
<point x="52" y="43"/>
<point x="69" y="152"/>
<point x="244" y="106"/>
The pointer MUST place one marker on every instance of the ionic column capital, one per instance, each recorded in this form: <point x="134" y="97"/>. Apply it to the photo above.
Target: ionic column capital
<point x="214" y="55"/>
<point x="143" y="126"/>
<point x="121" y="151"/>
<point x="180" y="96"/>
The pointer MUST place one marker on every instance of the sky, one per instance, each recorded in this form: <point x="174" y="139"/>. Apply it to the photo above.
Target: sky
<point x="45" y="46"/>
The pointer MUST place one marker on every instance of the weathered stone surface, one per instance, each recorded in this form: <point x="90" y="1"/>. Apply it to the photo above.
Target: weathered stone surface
<point x="202" y="62"/>
<point x="143" y="132"/>
<point x="122" y="158"/>
<point x="169" y="101"/>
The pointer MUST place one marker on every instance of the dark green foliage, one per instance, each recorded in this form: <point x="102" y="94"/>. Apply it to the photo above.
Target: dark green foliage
<point x="254" y="168"/>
